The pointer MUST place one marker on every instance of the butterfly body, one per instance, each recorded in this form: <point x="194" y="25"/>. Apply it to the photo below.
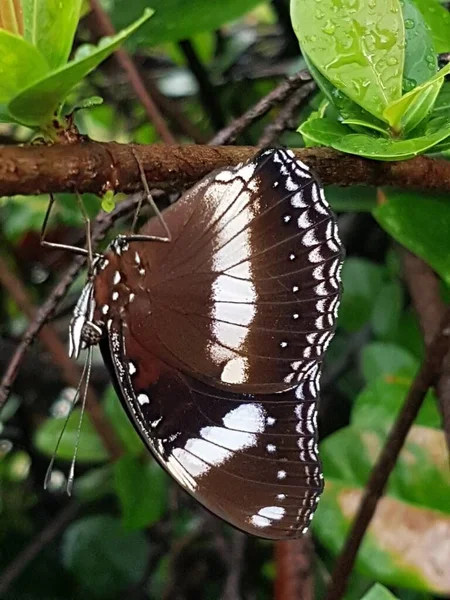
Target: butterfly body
<point x="215" y="340"/>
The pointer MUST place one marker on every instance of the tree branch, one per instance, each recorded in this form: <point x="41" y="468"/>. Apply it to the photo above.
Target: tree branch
<point x="425" y="378"/>
<point x="97" y="167"/>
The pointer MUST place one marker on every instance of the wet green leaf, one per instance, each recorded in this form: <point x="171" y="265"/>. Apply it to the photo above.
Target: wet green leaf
<point x="142" y="491"/>
<point x="347" y="109"/>
<point x="37" y="104"/>
<point x="362" y="281"/>
<point x="358" y="46"/>
<point x="438" y="20"/>
<point x="420" y="55"/>
<point x="382" y="358"/>
<point x="442" y="104"/>
<point x="330" y="133"/>
<point x="90" y="449"/>
<point x="421" y="223"/>
<point x="20" y="65"/>
<point x="407" y="112"/>
<point x="50" y="26"/>
<point x="103" y="557"/>
<point x="175" y="20"/>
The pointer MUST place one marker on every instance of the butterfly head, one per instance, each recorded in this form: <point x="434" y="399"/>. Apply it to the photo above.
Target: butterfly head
<point x="84" y="330"/>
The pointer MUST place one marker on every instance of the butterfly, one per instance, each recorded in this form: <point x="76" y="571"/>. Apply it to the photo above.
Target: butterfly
<point x="214" y="340"/>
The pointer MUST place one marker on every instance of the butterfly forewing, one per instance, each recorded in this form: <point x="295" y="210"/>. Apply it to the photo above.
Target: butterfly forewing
<point x="216" y="339"/>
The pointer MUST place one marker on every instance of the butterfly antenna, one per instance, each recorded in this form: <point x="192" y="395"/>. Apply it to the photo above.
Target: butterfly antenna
<point x="88" y="364"/>
<point x="149" y="198"/>
<point x="48" y="474"/>
<point x="57" y="245"/>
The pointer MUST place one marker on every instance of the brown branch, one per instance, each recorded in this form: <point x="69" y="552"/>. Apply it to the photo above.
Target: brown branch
<point x="69" y="369"/>
<point x="96" y="167"/>
<point x="276" y="96"/>
<point x="285" y="117"/>
<point x="423" y="285"/>
<point x="295" y="579"/>
<point x="379" y="476"/>
<point x="103" y="223"/>
<point x="105" y="28"/>
<point x="37" y="544"/>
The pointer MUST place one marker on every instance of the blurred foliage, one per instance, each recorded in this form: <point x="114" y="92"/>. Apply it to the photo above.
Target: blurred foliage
<point x="135" y="535"/>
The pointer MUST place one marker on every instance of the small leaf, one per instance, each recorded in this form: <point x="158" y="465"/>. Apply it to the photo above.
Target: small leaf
<point x="142" y="491"/>
<point x="381" y="358"/>
<point x="20" y="65"/>
<point x="108" y="201"/>
<point x="330" y="133"/>
<point x="442" y="104"/>
<point x="359" y="48"/>
<point x="37" y="104"/>
<point x="50" y="26"/>
<point x="90" y="448"/>
<point x="421" y="223"/>
<point x="408" y="111"/>
<point x="362" y="282"/>
<point x="378" y="592"/>
<point x="438" y="20"/>
<point x="105" y="559"/>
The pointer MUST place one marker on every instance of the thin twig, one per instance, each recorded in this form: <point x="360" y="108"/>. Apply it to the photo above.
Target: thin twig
<point x="126" y="62"/>
<point x="208" y="94"/>
<point x="295" y="580"/>
<point x="35" y="547"/>
<point x="273" y="131"/>
<point x="424" y="288"/>
<point x="276" y="96"/>
<point x="235" y="563"/>
<point x="379" y="476"/>
<point x="103" y="223"/>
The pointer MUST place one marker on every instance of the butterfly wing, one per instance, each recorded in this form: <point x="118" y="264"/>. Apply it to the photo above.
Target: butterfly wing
<point x="249" y="285"/>
<point x="250" y="459"/>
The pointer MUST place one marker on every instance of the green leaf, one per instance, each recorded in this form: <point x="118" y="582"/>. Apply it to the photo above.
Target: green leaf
<point x="142" y="491"/>
<point x="50" y="26"/>
<point x="90" y="449"/>
<point x="409" y="110"/>
<point x="378" y="592"/>
<point x="121" y="422"/>
<point x="387" y="310"/>
<point x="438" y="20"/>
<point x="442" y="104"/>
<point x="37" y="104"/>
<point x="330" y="133"/>
<point x="405" y="516"/>
<point x="382" y="358"/>
<point x="104" y="558"/>
<point x="348" y="110"/>
<point x="380" y="402"/>
<point x="176" y="20"/>
<point x="361" y="282"/>
<point x="421" y="223"/>
<point x="420" y="55"/>
<point x="95" y="484"/>
<point x="358" y="198"/>
<point x="20" y="65"/>
<point x="359" y="48"/>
